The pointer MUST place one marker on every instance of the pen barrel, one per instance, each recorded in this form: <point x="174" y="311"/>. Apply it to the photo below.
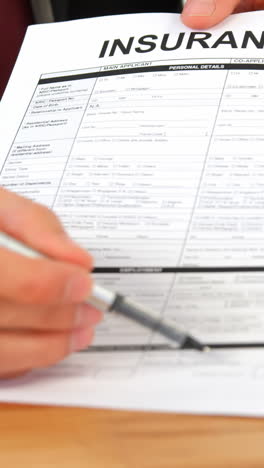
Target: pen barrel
<point x="16" y="246"/>
<point x="101" y="298"/>
<point x="142" y="316"/>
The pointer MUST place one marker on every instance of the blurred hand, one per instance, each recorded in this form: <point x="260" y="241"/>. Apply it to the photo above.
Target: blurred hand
<point x="42" y="314"/>
<point x="202" y="14"/>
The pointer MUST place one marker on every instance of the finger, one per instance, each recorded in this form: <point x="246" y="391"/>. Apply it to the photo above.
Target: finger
<point x="13" y="375"/>
<point x="60" y="318"/>
<point x="41" y="281"/>
<point x="20" y="351"/>
<point x="201" y="14"/>
<point x="37" y="226"/>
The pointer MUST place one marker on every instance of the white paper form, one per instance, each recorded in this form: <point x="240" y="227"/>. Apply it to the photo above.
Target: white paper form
<point x="148" y="143"/>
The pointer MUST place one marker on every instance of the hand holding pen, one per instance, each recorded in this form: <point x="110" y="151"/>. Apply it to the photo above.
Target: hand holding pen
<point x="43" y="317"/>
<point x="43" y="289"/>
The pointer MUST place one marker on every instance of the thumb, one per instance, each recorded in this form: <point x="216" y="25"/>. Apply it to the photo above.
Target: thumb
<point x="201" y="14"/>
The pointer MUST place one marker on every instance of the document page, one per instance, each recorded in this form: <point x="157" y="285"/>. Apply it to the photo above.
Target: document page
<point x="147" y="139"/>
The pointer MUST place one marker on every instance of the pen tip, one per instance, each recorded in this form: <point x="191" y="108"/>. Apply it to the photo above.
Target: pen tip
<point x="192" y="343"/>
<point x="206" y="349"/>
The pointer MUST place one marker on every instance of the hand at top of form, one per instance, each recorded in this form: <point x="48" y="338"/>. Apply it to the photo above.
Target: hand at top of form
<point x="201" y="14"/>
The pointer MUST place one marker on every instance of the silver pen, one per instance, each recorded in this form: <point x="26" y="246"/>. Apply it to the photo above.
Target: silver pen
<point x="108" y="301"/>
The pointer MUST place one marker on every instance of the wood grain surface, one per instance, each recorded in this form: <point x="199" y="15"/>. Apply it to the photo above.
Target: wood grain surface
<point x="74" y="437"/>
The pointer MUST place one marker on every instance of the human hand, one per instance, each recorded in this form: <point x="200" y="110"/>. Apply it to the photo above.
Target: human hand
<point x="42" y="315"/>
<point x="202" y="14"/>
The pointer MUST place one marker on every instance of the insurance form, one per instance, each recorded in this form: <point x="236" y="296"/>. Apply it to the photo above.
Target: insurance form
<point x="147" y="140"/>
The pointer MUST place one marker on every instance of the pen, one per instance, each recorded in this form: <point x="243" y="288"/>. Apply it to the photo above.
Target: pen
<point x="108" y="301"/>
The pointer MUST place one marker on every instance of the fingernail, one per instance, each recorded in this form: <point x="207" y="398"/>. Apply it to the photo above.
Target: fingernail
<point x="87" y="315"/>
<point x="81" y="339"/>
<point x="77" y="288"/>
<point x="200" y="7"/>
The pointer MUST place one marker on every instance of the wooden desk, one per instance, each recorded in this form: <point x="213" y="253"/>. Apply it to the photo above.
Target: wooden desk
<point x="82" y="438"/>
